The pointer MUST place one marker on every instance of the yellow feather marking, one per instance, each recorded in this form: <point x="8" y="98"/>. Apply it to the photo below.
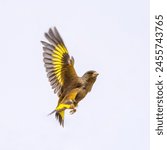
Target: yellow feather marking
<point x="57" y="63"/>
<point x="59" y="48"/>
<point x="57" y="71"/>
<point x="56" y="59"/>
<point x="62" y="114"/>
<point x="59" y="79"/>
<point x="58" y="53"/>
<point x="62" y="48"/>
<point x="59" y="75"/>
<point x="62" y="106"/>
<point x="57" y="67"/>
<point x="57" y="56"/>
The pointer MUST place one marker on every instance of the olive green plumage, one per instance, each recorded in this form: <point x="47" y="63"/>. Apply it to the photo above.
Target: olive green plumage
<point x="70" y="88"/>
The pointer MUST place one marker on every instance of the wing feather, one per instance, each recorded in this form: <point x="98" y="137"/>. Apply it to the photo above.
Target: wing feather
<point x="59" y="66"/>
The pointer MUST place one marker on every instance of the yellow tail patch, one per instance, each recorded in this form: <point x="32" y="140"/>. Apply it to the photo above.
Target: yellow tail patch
<point x="62" y="107"/>
<point x="60" y="117"/>
<point x="62" y="114"/>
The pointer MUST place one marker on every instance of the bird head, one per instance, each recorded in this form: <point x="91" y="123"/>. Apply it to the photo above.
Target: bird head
<point x="89" y="79"/>
<point x="90" y="75"/>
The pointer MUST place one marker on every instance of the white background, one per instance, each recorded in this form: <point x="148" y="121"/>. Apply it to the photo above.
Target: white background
<point x="157" y="142"/>
<point x="111" y="37"/>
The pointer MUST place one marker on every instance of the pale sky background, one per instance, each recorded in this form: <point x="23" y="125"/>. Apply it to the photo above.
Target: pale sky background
<point x="109" y="36"/>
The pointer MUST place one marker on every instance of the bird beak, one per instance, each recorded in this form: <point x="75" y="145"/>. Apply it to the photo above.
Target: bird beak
<point x="95" y="74"/>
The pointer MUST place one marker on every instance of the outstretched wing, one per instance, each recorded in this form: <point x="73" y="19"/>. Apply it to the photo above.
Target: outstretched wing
<point x="59" y="66"/>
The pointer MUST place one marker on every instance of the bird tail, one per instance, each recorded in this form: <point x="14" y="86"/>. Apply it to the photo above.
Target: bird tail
<point x="59" y="115"/>
<point x="59" y="112"/>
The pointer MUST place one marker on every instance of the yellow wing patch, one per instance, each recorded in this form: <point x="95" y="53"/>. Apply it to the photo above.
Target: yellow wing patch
<point x="58" y="63"/>
<point x="59" y="66"/>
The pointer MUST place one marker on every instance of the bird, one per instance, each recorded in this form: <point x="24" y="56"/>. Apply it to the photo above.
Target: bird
<point x="69" y="87"/>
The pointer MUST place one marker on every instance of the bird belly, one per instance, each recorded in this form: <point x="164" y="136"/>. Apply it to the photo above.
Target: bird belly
<point x="80" y="96"/>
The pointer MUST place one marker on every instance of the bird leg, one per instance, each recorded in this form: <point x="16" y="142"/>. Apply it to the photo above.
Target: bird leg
<point x="72" y="106"/>
<point x="72" y="111"/>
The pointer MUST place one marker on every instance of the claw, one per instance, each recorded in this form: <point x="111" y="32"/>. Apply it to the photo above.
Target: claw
<point x="72" y="111"/>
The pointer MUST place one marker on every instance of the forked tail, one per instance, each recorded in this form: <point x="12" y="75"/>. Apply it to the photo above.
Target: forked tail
<point x="59" y="111"/>
<point x="59" y="116"/>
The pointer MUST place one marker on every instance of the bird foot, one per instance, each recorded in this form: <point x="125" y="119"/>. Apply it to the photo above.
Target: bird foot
<point x="72" y="111"/>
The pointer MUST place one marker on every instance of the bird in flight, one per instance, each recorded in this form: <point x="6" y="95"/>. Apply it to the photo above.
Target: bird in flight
<point x="70" y="88"/>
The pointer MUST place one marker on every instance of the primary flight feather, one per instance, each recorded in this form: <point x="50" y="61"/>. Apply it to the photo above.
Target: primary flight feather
<point x="70" y="88"/>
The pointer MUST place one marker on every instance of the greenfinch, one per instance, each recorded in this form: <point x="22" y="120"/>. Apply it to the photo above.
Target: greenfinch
<point x="70" y="88"/>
